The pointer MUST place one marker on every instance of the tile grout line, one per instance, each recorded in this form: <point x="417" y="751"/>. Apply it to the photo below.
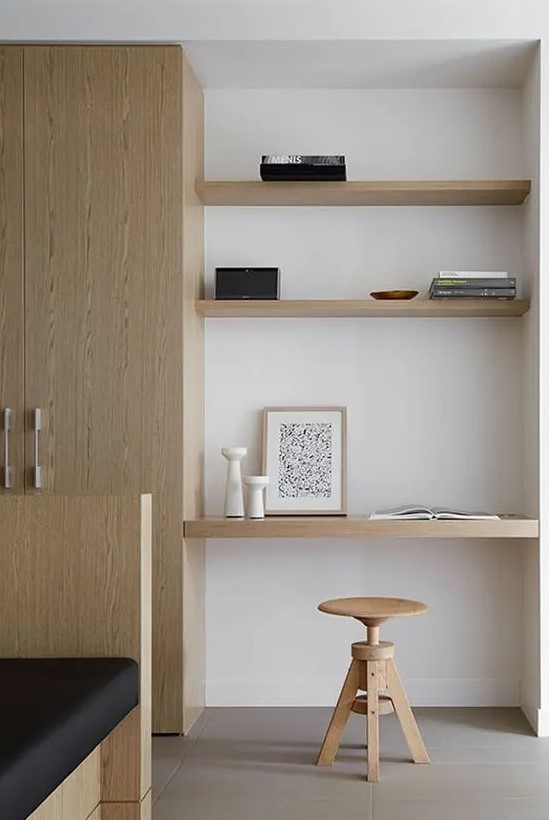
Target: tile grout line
<point x="184" y="755"/>
<point x="167" y="783"/>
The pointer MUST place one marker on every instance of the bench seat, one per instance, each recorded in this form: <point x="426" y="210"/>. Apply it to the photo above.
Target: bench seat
<point x="53" y="713"/>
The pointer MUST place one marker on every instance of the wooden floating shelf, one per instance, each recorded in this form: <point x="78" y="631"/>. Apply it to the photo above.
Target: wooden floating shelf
<point x="357" y="193"/>
<point x="358" y="527"/>
<point x="357" y="308"/>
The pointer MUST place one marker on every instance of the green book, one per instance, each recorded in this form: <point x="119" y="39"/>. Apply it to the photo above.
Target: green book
<point x="475" y="283"/>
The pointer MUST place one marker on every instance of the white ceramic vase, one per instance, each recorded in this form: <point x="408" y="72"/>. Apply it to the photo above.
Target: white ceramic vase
<point x="234" y="498"/>
<point x="256" y="485"/>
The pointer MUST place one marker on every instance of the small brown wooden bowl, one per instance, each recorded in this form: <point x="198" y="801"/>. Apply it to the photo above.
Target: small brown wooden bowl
<point x="394" y="294"/>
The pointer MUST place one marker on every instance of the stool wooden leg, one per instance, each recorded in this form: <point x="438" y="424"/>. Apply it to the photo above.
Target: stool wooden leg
<point x="373" y="721"/>
<point x="405" y="715"/>
<point x="363" y="685"/>
<point x="362" y="677"/>
<point x="381" y="676"/>
<point x="340" y="715"/>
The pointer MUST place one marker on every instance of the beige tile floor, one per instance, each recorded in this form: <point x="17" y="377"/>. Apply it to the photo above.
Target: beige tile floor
<point x="257" y="764"/>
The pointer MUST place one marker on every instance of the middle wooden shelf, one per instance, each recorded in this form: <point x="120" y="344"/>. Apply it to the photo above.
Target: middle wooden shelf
<point x="361" y="308"/>
<point x="358" y="527"/>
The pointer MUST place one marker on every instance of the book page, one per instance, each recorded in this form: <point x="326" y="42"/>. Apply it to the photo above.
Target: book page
<point x="445" y="512"/>
<point x="410" y="512"/>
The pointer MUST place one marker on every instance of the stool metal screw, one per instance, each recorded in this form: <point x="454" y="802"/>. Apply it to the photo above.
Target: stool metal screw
<point x="372" y="671"/>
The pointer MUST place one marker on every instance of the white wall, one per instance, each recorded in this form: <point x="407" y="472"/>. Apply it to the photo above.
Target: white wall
<point x="435" y="408"/>
<point x="530" y="689"/>
<point x="544" y="389"/>
<point x="385" y="133"/>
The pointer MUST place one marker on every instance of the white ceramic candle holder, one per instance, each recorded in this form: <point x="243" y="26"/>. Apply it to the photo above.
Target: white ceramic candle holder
<point x="234" y="498"/>
<point x="256" y="485"/>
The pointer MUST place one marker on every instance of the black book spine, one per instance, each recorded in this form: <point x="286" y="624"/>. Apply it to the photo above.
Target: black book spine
<point x="484" y="293"/>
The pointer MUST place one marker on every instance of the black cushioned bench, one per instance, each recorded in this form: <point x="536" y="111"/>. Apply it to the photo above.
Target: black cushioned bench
<point x="53" y="713"/>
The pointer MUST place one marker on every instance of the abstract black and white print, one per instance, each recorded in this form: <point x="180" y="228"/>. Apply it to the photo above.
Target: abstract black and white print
<point x="305" y="458"/>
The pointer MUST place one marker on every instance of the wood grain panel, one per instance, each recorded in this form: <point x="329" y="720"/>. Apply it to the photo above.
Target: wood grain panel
<point x="145" y="628"/>
<point x="167" y="396"/>
<point x="132" y="780"/>
<point x="361" y="308"/>
<point x="128" y="811"/>
<point x="105" y="295"/>
<point x="103" y="230"/>
<point x="194" y="630"/>
<point x="77" y="797"/>
<point x="370" y="192"/>
<point x="75" y="584"/>
<point x="358" y="527"/>
<point x="11" y="259"/>
<point x="193" y="399"/>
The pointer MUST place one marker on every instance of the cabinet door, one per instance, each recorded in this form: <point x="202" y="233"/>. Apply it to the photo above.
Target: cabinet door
<point x="11" y="267"/>
<point x="103" y="266"/>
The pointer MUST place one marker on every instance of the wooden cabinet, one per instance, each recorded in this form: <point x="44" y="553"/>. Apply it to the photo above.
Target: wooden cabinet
<point x="103" y="178"/>
<point x="11" y="267"/>
<point x="103" y="271"/>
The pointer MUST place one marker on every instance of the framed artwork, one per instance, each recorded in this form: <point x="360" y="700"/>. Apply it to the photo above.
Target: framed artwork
<point x="305" y="457"/>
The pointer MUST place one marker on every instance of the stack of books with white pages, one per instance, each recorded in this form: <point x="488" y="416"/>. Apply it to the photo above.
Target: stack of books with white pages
<point x="418" y="513"/>
<point x="471" y="284"/>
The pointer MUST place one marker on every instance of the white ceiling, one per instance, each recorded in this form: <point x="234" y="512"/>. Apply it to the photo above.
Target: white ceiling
<point x="185" y="20"/>
<point x="361" y="63"/>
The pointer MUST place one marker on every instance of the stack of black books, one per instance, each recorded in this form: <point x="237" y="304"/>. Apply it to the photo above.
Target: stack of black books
<point x="302" y="168"/>
<point x="473" y="285"/>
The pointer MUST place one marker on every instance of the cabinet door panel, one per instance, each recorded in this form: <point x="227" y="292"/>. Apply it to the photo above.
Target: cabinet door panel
<point x="103" y="265"/>
<point x="11" y="261"/>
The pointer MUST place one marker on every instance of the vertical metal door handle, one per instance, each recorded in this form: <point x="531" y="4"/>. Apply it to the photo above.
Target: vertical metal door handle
<point x="7" y="467"/>
<point x="37" y="468"/>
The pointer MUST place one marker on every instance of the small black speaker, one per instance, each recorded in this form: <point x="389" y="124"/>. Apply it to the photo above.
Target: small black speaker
<point x="247" y="283"/>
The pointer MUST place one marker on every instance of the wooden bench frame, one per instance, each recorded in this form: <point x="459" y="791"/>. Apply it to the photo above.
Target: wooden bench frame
<point x="75" y="581"/>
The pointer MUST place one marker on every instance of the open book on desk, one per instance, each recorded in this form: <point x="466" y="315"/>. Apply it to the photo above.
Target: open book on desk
<point x="417" y="513"/>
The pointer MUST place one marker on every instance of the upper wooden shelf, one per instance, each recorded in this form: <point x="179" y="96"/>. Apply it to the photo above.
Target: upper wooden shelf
<point x="356" y="308"/>
<point x="358" y="527"/>
<point x="392" y="192"/>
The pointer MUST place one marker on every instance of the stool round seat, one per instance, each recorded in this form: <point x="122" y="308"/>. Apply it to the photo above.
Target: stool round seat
<point x="373" y="611"/>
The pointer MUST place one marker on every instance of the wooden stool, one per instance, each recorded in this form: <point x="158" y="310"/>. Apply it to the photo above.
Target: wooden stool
<point x="373" y="671"/>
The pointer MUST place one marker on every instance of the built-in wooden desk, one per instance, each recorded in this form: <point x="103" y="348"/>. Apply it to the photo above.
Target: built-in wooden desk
<point x="357" y="527"/>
